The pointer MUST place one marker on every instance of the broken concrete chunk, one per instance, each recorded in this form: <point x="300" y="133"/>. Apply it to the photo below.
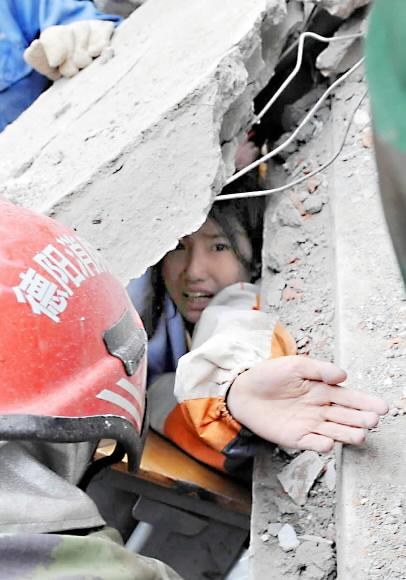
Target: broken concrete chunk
<point x="341" y="55"/>
<point x="317" y="556"/>
<point x="287" y="214"/>
<point x="274" y="529"/>
<point x="298" y="477"/>
<point x="313" y="204"/>
<point x="287" y="538"/>
<point x="330" y="476"/>
<point x="341" y="8"/>
<point x="362" y="117"/>
<point x="139" y="134"/>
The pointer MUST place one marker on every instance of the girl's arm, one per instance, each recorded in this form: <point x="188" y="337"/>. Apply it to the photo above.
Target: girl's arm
<point x="239" y="353"/>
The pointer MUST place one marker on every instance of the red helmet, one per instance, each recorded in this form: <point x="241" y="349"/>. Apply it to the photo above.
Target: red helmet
<point x="72" y="347"/>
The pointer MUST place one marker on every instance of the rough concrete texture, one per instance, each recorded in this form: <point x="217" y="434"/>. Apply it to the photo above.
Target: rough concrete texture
<point x="359" y="287"/>
<point x="338" y="57"/>
<point x="134" y="140"/>
<point x="371" y="328"/>
<point x="122" y="7"/>
<point x="298" y="477"/>
<point x="341" y="8"/>
<point x="299" y="286"/>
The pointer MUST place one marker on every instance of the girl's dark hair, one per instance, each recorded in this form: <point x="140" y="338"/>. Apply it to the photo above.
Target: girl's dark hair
<point x="248" y="213"/>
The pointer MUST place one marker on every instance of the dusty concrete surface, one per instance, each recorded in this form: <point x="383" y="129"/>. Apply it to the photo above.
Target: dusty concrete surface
<point x="133" y="141"/>
<point x="299" y="287"/>
<point x="371" y="330"/>
<point x="332" y="278"/>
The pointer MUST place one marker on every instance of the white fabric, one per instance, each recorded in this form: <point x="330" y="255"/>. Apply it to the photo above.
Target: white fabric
<point x="229" y="338"/>
<point x="65" y="49"/>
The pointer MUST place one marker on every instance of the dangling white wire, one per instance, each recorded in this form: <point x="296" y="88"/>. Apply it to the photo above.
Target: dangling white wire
<point x="310" y="114"/>
<point x="298" y="65"/>
<point x="300" y="179"/>
<point x="299" y="128"/>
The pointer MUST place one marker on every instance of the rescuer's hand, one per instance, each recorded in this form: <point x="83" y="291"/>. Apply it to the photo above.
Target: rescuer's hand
<point x="64" y="50"/>
<point x="296" y="402"/>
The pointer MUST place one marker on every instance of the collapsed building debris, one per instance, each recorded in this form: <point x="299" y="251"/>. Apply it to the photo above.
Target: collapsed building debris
<point x="133" y="136"/>
<point x="340" y="8"/>
<point x="132" y="150"/>
<point x="298" y="477"/>
<point x="287" y="538"/>
<point x="338" y="57"/>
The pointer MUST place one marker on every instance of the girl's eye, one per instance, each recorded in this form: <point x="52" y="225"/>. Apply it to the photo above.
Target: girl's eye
<point x="221" y="247"/>
<point x="180" y="246"/>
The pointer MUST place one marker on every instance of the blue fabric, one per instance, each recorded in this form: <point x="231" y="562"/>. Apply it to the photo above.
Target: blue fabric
<point x="21" y="21"/>
<point x="168" y="343"/>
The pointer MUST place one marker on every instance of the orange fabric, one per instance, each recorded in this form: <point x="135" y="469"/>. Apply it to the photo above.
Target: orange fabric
<point x="182" y="430"/>
<point x="283" y="344"/>
<point x="203" y="427"/>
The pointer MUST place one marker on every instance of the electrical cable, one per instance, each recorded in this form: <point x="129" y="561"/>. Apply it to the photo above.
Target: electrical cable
<point x="303" y="178"/>
<point x="298" y="65"/>
<point x="299" y="128"/>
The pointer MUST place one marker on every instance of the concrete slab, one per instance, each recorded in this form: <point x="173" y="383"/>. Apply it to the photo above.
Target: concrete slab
<point x="371" y="331"/>
<point x="129" y="151"/>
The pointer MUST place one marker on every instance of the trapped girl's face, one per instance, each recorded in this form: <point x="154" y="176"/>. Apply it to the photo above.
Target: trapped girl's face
<point x="200" y="266"/>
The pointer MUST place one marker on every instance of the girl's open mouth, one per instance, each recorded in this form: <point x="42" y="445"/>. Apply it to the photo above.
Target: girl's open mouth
<point x="196" y="295"/>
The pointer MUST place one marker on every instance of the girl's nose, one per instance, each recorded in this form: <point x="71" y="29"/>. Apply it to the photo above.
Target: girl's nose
<point x="196" y="267"/>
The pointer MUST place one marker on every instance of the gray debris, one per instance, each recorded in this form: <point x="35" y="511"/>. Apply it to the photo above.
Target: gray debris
<point x="274" y="529"/>
<point x="318" y="539"/>
<point x="287" y="538"/>
<point x="293" y="113"/>
<point x="121" y="7"/>
<point x="316" y="557"/>
<point x="330" y="476"/>
<point x="287" y="214"/>
<point x="298" y="477"/>
<point x="341" y="8"/>
<point x="340" y="56"/>
<point x="313" y="204"/>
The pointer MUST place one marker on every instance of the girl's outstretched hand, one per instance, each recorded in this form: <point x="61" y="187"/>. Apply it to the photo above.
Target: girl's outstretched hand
<point x="296" y="402"/>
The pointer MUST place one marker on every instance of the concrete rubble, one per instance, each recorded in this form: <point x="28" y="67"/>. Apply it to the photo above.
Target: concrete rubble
<point x="287" y="538"/>
<point x="357" y="286"/>
<point x="338" y="57"/>
<point x="341" y="8"/>
<point x="298" y="477"/>
<point x="132" y="150"/>
<point x="330" y="476"/>
<point x="131" y="153"/>
<point x="299" y="287"/>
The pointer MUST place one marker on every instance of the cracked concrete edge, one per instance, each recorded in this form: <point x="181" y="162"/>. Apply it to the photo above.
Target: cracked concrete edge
<point x="128" y="152"/>
<point x="370" y="312"/>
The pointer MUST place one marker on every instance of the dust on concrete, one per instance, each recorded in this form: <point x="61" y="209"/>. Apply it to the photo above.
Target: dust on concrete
<point x="303" y="283"/>
<point x="299" y="287"/>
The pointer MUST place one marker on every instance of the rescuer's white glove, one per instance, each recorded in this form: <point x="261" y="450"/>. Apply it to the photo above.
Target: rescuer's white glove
<point x="65" y="49"/>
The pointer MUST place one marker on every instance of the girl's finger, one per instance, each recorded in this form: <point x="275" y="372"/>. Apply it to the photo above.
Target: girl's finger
<point x="357" y="400"/>
<point x="341" y="433"/>
<point x="315" y="442"/>
<point x="351" y="417"/>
